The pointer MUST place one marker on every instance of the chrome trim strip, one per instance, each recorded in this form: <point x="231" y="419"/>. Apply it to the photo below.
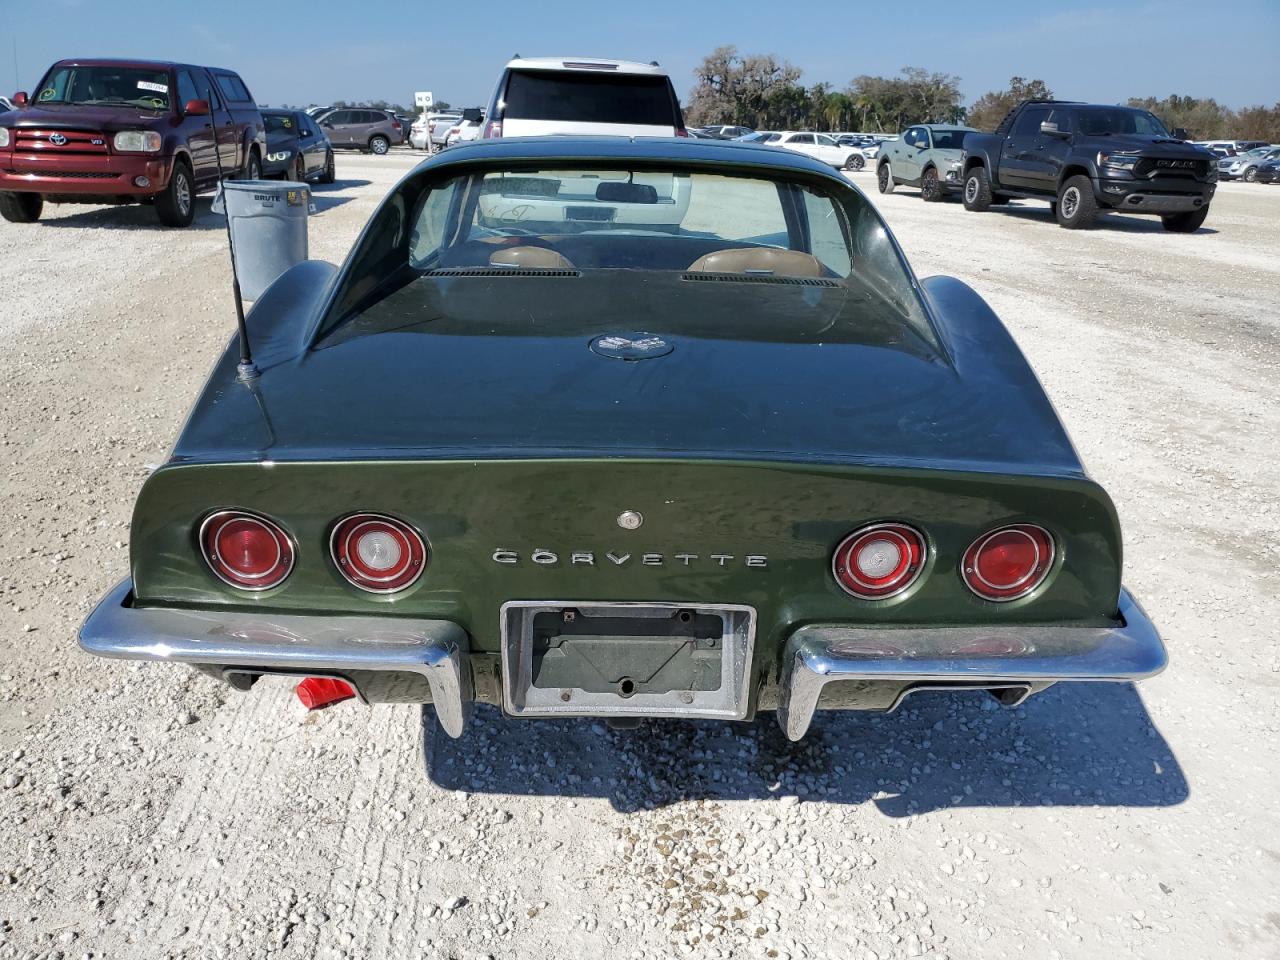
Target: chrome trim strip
<point x="731" y="701"/>
<point x="302" y="643"/>
<point x="820" y="654"/>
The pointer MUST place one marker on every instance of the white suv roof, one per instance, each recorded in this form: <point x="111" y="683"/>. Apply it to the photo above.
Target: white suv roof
<point x="585" y="63"/>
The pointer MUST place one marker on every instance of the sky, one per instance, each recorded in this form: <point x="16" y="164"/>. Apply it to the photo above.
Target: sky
<point x="320" y="51"/>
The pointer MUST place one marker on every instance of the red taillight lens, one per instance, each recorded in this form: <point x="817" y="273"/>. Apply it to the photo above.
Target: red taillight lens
<point x="492" y="130"/>
<point x="681" y="132"/>
<point x="377" y="553"/>
<point x="1009" y="562"/>
<point x="245" y="550"/>
<point x="879" y="561"/>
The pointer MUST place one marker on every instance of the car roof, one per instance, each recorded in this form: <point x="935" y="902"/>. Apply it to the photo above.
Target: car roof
<point x="131" y="62"/>
<point x="585" y="65"/>
<point x="946" y="126"/>
<point x="699" y="153"/>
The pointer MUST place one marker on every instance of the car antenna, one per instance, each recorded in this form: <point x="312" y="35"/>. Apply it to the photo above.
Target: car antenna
<point x="246" y="369"/>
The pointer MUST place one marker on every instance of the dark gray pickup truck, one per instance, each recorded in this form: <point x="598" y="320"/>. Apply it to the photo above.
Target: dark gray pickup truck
<point x="1085" y="158"/>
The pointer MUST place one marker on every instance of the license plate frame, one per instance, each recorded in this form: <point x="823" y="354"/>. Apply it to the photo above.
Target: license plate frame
<point x="730" y="701"/>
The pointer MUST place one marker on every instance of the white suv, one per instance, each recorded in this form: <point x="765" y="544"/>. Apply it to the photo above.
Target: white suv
<point x="584" y="96"/>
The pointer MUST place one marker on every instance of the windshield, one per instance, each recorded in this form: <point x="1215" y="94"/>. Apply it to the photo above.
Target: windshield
<point x="949" y="139"/>
<point x="649" y="229"/>
<point x="107" y="86"/>
<point x="1102" y="121"/>
<point x="280" y="123"/>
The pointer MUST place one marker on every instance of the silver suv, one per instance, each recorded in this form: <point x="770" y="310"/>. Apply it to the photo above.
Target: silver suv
<point x="362" y="129"/>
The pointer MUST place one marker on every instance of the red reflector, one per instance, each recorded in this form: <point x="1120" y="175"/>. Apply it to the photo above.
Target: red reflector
<point x="317" y="692"/>
<point x="1009" y="562"/>
<point x="880" y="560"/>
<point x="377" y="553"/>
<point x="245" y="550"/>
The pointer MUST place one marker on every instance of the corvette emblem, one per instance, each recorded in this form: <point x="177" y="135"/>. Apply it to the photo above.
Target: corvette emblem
<point x="57" y="139"/>
<point x="631" y="346"/>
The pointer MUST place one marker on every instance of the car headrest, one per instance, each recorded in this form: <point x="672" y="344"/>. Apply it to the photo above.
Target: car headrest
<point x="533" y="257"/>
<point x="763" y="260"/>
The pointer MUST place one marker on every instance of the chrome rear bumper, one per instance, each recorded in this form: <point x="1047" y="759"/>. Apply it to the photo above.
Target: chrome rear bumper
<point x="289" y="643"/>
<point x="1013" y="660"/>
<point x="970" y="656"/>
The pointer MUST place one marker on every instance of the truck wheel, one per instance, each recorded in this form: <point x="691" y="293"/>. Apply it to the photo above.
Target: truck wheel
<point x="1188" y="222"/>
<point x="21" y="207"/>
<point x="176" y="207"/>
<point x="379" y="145"/>
<point x="328" y="175"/>
<point x="252" y="168"/>
<point x="855" y="161"/>
<point x="977" y="190"/>
<point x="884" y="178"/>
<point x="1077" y="206"/>
<point x="931" y="186"/>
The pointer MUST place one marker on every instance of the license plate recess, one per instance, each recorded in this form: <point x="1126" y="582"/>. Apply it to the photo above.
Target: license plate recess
<point x="593" y="659"/>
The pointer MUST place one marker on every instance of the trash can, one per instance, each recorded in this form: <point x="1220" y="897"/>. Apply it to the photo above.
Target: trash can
<point x="268" y="228"/>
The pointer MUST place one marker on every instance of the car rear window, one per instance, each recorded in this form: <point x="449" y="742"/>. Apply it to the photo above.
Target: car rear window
<point x="582" y="97"/>
<point x="687" y="231"/>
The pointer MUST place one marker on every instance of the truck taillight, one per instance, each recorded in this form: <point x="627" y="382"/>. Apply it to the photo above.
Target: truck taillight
<point x="681" y="132"/>
<point x="492" y="130"/>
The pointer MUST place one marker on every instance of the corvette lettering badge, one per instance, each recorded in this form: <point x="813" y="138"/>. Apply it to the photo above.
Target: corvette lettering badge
<point x="614" y="558"/>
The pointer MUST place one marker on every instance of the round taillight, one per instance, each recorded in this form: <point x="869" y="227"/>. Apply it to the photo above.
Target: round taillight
<point x="879" y="561"/>
<point x="378" y="553"/>
<point x="245" y="550"/>
<point x="1008" y="563"/>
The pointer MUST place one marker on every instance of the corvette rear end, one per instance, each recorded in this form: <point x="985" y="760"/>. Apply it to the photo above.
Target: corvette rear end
<point x="698" y="470"/>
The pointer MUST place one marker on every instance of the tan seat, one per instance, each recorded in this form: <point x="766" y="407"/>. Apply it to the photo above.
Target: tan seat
<point x="533" y="257"/>
<point x="763" y="260"/>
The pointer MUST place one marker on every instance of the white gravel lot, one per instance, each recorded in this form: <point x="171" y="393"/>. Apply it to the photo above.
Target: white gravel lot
<point x="146" y="811"/>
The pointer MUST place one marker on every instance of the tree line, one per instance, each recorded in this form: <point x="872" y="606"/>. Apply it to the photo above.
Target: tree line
<point x="765" y="93"/>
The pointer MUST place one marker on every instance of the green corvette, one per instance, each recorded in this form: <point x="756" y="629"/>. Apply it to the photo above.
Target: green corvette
<point x="626" y="429"/>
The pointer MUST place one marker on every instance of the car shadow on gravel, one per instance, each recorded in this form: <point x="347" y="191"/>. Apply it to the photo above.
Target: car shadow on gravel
<point x="1073" y="745"/>
<point x="135" y="217"/>
<point x="1119" y="222"/>
<point x="338" y="185"/>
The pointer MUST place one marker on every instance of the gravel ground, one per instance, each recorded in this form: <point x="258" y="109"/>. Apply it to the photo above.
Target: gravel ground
<point x="146" y="811"/>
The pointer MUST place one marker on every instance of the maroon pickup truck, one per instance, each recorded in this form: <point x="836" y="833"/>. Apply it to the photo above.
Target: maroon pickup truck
<point x="127" y="131"/>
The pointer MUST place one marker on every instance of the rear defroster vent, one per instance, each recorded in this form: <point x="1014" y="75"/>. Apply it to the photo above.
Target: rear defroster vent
<point x="760" y="278"/>
<point x="500" y="272"/>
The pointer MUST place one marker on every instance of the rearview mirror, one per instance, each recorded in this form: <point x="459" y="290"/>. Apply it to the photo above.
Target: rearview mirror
<point x="1049" y="128"/>
<point x="1180" y="133"/>
<point x="472" y="114"/>
<point x="196" y="108"/>
<point x="612" y="191"/>
<point x="20" y="99"/>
